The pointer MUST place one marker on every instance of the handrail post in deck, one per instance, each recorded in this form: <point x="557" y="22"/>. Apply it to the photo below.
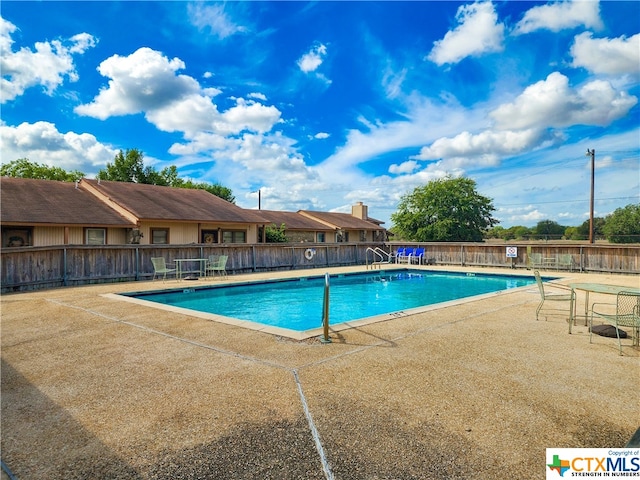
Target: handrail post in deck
<point x="325" y="312"/>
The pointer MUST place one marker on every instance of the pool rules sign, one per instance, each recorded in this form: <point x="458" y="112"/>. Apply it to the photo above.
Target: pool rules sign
<point x="512" y="253"/>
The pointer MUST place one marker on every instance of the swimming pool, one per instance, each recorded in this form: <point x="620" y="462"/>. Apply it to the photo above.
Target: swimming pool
<point x="296" y="304"/>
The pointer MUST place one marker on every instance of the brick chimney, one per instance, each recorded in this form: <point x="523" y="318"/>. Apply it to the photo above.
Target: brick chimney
<point x="360" y="210"/>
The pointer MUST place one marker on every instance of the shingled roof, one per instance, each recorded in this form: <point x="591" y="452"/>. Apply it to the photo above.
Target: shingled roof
<point x="26" y="201"/>
<point x="344" y="221"/>
<point x="154" y="202"/>
<point x="295" y="221"/>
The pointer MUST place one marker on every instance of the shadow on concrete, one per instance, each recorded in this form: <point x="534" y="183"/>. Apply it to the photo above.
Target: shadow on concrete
<point x="41" y="440"/>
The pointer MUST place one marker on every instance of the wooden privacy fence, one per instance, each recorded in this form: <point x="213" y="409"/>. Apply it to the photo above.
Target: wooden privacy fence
<point x="31" y="268"/>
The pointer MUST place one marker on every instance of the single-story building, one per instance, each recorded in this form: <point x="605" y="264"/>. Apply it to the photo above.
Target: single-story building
<point x="45" y="212"/>
<point x="166" y="215"/>
<point x="94" y="212"/>
<point x="299" y="228"/>
<point x="354" y="227"/>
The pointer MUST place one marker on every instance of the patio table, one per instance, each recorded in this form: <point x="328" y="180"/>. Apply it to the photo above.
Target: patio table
<point x="595" y="288"/>
<point x="180" y="261"/>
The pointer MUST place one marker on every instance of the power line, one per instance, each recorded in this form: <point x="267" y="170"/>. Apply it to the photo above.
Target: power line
<point x="566" y="201"/>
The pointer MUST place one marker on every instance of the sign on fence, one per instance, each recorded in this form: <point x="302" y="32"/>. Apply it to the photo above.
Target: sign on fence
<point x="512" y="252"/>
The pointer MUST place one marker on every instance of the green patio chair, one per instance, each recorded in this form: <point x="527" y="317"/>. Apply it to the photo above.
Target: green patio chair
<point x="565" y="294"/>
<point x="217" y="264"/>
<point x="565" y="260"/>
<point x="535" y="260"/>
<point x="627" y="314"/>
<point x="160" y="268"/>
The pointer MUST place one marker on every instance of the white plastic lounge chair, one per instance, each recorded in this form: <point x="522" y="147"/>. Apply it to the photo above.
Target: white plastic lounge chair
<point x="566" y="295"/>
<point x="160" y="268"/>
<point x="627" y="314"/>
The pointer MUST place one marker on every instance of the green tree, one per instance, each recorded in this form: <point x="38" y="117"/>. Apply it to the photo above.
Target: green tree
<point x="275" y="234"/>
<point x="572" y="233"/>
<point x="623" y="225"/>
<point x="520" y="232"/>
<point x="23" y="168"/>
<point x="129" y="167"/>
<point x="444" y="210"/>
<point x="583" y="229"/>
<point x="549" y="229"/>
<point x="496" y="232"/>
<point x="213" y="188"/>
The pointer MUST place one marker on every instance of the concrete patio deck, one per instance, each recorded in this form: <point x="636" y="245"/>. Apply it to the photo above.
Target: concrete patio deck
<point x="95" y="388"/>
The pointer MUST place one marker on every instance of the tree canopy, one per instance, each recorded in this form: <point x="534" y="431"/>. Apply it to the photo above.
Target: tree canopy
<point x="23" y="168"/>
<point x="444" y="210"/>
<point x="127" y="167"/>
<point x="548" y="229"/>
<point x="623" y="225"/>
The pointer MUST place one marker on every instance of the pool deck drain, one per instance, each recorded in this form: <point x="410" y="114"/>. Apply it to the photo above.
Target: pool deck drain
<point x="93" y="388"/>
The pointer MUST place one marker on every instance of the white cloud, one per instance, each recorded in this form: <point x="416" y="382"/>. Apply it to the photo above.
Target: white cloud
<point x="613" y="56"/>
<point x="561" y="15"/>
<point x="392" y="81"/>
<point x="478" y="33"/>
<point x="214" y="18"/>
<point x="321" y="135"/>
<point x="310" y="61"/>
<point x="522" y="216"/>
<point x="488" y="144"/>
<point x="405" y="167"/>
<point x="144" y="80"/>
<point x="189" y="114"/>
<point x="147" y="81"/>
<point x="258" y="96"/>
<point x="250" y="116"/>
<point x="47" y="66"/>
<point x="553" y="103"/>
<point x="41" y="142"/>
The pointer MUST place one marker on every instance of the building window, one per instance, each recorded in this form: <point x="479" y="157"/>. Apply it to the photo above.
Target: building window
<point x="159" y="236"/>
<point x="320" y="237"/>
<point x="209" y="236"/>
<point x="17" y="236"/>
<point x="234" y="236"/>
<point x="95" y="236"/>
<point x="342" y="236"/>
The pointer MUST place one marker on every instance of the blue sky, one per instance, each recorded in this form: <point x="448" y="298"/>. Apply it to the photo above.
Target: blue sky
<point x="322" y="104"/>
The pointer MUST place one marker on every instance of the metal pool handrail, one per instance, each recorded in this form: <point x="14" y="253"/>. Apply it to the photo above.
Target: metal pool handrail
<point x="325" y="312"/>
<point x="377" y="252"/>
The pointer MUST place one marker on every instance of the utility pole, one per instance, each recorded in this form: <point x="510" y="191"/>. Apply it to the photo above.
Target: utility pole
<point x="259" y="200"/>
<point x="591" y="153"/>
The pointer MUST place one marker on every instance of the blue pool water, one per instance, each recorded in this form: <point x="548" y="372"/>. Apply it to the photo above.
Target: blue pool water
<point x="296" y="304"/>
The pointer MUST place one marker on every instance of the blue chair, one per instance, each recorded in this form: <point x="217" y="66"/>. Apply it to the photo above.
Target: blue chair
<point x="402" y="254"/>
<point x="418" y="255"/>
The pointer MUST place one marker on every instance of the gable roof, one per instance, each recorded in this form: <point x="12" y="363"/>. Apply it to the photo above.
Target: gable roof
<point x="155" y="202"/>
<point x="343" y="221"/>
<point x="295" y="221"/>
<point x="27" y="201"/>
